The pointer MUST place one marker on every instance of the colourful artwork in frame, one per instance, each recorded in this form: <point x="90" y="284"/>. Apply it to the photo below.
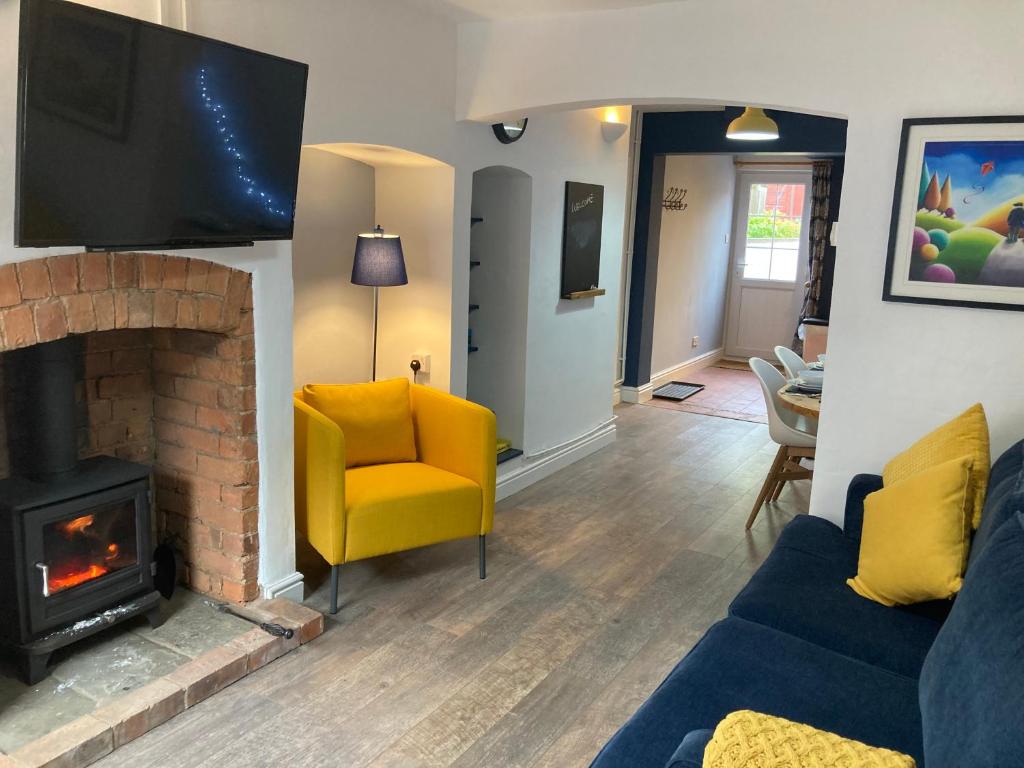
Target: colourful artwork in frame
<point x="957" y="230"/>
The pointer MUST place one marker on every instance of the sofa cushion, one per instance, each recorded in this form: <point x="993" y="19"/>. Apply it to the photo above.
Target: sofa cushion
<point x="972" y="684"/>
<point x="742" y="665"/>
<point x="746" y="739"/>
<point x="966" y="435"/>
<point x="801" y="589"/>
<point x="395" y="507"/>
<point x="1005" y="497"/>
<point x="376" y="419"/>
<point x="916" y="537"/>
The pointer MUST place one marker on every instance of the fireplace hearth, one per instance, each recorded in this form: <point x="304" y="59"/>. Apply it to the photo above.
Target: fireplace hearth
<point x="75" y="536"/>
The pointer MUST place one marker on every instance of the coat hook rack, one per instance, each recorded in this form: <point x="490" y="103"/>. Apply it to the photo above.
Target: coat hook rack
<point x="674" y="200"/>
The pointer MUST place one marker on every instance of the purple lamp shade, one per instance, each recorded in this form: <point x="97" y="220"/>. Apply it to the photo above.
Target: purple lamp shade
<point x="379" y="260"/>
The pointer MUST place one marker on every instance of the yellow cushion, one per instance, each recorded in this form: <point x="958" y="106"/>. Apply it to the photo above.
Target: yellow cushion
<point x="748" y="739"/>
<point x="916" y="537"/>
<point x="394" y="507"/>
<point x="966" y="435"/>
<point x="376" y="419"/>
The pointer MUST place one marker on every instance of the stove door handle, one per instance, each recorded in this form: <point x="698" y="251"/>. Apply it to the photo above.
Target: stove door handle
<point x="46" y="578"/>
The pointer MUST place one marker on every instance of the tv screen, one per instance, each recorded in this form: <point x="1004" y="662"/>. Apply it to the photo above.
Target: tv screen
<point x="131" y="134"/>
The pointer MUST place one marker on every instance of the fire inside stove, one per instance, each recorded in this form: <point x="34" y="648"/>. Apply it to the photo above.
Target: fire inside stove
<point x="89" y="546"/>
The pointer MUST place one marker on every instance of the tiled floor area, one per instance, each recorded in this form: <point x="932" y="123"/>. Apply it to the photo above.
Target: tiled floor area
<point x="124" y="658"/>
<point x="730" y="391"/>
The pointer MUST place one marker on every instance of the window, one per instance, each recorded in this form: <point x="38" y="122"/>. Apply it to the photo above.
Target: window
<point x="774" y="227"/>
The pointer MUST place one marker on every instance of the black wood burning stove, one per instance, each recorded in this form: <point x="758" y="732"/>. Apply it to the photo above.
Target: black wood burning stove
<point x="75" y="550"/>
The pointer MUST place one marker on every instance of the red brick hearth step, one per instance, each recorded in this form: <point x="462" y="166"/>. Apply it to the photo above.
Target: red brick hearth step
<point x="92" y="736"/>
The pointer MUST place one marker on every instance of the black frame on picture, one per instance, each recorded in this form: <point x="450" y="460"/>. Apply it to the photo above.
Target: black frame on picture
<point x="932" y="292"/>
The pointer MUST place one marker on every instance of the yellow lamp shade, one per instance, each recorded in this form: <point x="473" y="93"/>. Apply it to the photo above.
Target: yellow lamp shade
<point x="752" y="125"/>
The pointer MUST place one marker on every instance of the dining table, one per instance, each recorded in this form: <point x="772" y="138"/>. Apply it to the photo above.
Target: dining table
<point x="805" y="405"/>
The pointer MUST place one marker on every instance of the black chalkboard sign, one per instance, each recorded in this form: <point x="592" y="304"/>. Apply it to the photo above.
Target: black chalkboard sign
<point x="581" y="237"/>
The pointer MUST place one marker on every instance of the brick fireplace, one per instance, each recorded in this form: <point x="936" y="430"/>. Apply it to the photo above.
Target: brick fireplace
<point x="166" y="378"/>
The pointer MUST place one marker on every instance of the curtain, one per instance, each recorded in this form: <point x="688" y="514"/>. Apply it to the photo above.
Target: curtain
<point x="821" y="185"/>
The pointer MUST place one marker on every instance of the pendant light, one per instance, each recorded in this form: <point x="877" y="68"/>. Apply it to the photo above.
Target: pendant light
<point x="752" y="125"/>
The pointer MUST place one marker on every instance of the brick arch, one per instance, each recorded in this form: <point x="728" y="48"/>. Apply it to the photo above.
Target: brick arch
<point x="168" y="379"/>
<point x="47" y="299"/>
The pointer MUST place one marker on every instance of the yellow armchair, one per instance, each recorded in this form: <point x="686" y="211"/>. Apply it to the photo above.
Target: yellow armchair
<point x="351" y="512"/>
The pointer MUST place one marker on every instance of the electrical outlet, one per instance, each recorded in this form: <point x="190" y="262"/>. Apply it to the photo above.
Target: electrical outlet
<point x="424" y="361"/>
<point x="695" y="342"/>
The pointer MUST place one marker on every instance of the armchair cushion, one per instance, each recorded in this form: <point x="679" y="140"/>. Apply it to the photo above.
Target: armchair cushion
<point x="394" y="507"/>
<point x="376" y="419"/>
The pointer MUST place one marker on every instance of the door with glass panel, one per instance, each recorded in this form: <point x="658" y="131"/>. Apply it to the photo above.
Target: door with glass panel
<point x="769" y="261"/>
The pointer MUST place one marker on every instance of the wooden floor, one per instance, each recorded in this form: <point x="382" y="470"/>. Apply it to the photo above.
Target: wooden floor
<point x="600" y="578"/>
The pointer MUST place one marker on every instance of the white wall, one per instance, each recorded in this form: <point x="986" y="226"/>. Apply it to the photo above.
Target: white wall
<point x="693" y="260"/>
<point x="332" y="316"/>
<point x="867" y="61"/>
<point x="570" y="344"/>
<point x="503" y="198"/>
<point x="416" y="202"/>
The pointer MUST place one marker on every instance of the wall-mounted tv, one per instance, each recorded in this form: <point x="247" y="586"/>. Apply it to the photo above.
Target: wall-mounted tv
<point x="135" y="135"/>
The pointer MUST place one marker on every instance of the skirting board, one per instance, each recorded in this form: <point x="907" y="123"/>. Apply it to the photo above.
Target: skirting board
<point x="528" y="470"/>
<point x="636" y="394"/>
<point x="680" y="371"/>
<point x="290" y="587"/>
<point x="644" y="393"/>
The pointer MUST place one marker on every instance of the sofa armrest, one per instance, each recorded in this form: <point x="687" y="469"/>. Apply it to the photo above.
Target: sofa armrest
<point x="859" y="488"/>
<point x="458" y="436"/>
<point x="690" y="752"/>
<point x="748" y="739"/>
<point x="320" y="481"/>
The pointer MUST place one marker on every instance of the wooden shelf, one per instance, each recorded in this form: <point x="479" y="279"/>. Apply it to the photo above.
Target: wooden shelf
<point x="583" y="294"/>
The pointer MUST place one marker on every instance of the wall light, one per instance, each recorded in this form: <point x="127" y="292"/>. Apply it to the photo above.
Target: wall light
<point x="752" y="125"/>
<point x="612" y="126"/>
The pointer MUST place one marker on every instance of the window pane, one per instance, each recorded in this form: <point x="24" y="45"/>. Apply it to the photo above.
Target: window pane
<point x="774" y="225"/>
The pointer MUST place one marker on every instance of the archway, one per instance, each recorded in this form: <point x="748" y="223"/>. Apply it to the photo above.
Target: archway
<point x="499" y="296"/>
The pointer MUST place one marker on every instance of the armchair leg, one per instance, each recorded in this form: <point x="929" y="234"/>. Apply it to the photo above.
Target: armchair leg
<point x="483" y="557"/>
<point x="335" y="573"/>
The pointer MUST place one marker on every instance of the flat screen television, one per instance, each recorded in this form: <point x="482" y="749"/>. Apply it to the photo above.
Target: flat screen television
<point x="135" y="135"/>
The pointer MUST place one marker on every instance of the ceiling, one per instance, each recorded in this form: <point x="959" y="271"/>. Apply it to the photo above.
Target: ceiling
<point x="491" y="10"/>
<point x="378" y="155"/>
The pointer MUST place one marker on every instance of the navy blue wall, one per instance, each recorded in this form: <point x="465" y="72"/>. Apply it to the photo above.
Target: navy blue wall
<point x="669" y="133"/>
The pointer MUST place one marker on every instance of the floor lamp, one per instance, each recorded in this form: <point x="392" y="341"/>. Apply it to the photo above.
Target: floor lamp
<point x="379" y="262"/>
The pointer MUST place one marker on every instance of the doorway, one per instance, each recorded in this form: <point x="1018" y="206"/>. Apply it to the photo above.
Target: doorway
<point x="768" y="261"/>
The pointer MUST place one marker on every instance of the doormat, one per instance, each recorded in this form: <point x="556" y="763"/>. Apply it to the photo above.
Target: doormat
<point x="677" y="390"/>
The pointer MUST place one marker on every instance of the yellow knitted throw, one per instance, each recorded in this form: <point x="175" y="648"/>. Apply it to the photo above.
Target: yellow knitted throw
<point x="748" y="739"/>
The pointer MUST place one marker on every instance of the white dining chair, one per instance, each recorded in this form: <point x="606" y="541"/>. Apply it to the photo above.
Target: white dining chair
<point x="791" y="361"/>
<point x="795" y="434"/>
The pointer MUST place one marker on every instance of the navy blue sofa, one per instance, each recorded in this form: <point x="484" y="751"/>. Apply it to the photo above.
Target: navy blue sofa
<point x="944" y="684"/>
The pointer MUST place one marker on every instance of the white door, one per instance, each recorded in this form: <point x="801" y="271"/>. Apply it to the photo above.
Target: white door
<point x="769" y="261"/>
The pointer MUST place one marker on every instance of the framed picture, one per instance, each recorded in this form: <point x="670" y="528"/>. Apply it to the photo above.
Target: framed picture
<point x="581" y="239"/>
<point x="957" y="230"/>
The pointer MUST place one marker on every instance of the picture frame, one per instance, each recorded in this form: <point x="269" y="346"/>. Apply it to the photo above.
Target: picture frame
<point x="956" y="235"/>
<point x="93" y="61"/>
<point x="581" y="240"/>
